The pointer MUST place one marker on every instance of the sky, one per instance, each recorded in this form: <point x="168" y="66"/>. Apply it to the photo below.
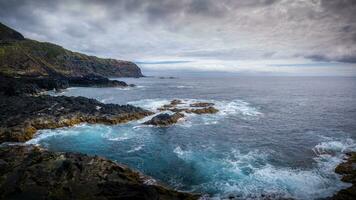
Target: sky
<point x="297" y="37"/>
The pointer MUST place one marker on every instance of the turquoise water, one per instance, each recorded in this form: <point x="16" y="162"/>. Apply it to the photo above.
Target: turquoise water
<point x="273" y="136"/>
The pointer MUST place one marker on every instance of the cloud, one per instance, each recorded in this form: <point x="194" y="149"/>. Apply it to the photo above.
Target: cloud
<point x="243" y="31"/>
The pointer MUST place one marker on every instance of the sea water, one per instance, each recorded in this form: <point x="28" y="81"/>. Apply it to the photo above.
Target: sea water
<point x="272" y="137"/>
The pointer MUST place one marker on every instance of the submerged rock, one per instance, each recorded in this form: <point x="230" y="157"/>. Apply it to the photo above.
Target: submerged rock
<point x="22" y="116"/>
<point x="348" y="171"/>
<point x="29" y="172"/>
<point x="164" y="119"/>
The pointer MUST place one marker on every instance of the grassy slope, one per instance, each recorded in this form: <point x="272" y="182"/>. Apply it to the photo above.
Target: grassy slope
<point x="20" y="57"/>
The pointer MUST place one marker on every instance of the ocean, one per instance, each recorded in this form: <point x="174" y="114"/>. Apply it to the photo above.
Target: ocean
<point x="272" y="137"/>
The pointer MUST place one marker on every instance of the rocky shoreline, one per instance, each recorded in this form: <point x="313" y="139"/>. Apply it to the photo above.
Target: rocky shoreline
<point x="35" y="173"/>
<point x="27" y="69"/>
<point x="21" y="86"/>
<point x="348" y="171"/>
<point x="22" y="116"/>
<point x="29" y="172"/>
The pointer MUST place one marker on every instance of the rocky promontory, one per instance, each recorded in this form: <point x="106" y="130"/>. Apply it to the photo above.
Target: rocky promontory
<point x="29" y="172"/>
<point x="20" y="57"/>
<point x="35" y="85"/>
<point x="22" y="116"/>
<point x="27" y="69"/>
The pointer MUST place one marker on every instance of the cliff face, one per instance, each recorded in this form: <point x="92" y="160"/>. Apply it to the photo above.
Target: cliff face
<point x="24" y="57"/>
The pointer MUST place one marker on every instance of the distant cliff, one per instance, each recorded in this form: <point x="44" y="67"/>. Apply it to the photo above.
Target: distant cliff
<point x="24" y="57"/>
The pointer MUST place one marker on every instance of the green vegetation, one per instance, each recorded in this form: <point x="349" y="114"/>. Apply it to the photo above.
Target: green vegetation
<point x="25" y="57"/>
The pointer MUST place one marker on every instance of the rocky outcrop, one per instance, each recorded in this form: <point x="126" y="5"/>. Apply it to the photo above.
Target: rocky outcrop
<point x="348" y="171"/>
<point x="24" y="57"/>
<point x="178" y="107"/>
<point x="29" y="172"/>
<point x="33" y="86"/>
<point x="7" y="34"/>
<point x="164" y="119"/>
<point x="200" y="111"/>
<point x="196" y="108"/>
<point x="22" y="116"/>
<point x="201" y="104"/>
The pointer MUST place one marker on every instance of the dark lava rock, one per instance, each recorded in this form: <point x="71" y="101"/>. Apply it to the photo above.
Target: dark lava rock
<point x="176" y="102"/>
<point x="29" y="172"/>
<point x="201" y="104"/>
<point x="95" y="81"/>
<point x="22" y="116"/>
<point x="208" y="110"/>
<point x="164" y="119"/>
<point x="204" y="107"/>
<point x="34" y="85"/>
<point x="348" y="171"/>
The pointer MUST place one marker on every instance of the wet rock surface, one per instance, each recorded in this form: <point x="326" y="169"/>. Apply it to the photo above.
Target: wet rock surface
<point x="348" y="171"/>
<point x="29" y="172"/>
<point x="208" y="110"/>
<point x="201" y="104"/>
<point x="176" y="107"/>
<point x="197" y="108"/>
<point x="164" y="119"/>
<point x="22" y="116"/>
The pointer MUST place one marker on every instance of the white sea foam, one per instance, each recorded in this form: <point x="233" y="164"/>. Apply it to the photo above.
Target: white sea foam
<point x="106" y="100"/>
<point x="138" y="148"/>
<point x="140" y="86"/>
<point x="120" y="138"/>
<point x="150" y="104"/>
<point x="123" y="88"/>
<point x="251" y="176"/>
<point x="332" y="147"/>
<point x="46" y="133"/>
<point x="226" y="108"/>
<point x="181" y="153"/>
<point x="182" y="86"/>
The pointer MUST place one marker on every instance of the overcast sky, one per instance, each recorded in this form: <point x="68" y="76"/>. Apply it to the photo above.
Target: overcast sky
<point x="316" y="37"/>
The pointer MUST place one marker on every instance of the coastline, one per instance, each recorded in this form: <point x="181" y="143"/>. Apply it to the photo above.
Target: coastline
<point x="32" y="172"/>
<point x="24" y="110"/>
<point x="75" y="110"/>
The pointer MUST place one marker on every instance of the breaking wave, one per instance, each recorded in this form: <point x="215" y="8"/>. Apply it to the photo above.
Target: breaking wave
<point x="251" y="176"/>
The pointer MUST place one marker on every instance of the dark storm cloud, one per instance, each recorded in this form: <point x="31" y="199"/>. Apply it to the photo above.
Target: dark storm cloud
<point x="320" y="30"/>
<point x="323" y="58"/>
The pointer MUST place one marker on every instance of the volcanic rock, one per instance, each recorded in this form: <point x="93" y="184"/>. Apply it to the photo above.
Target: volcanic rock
<point x="164" y="119"/>
<point x="29" y="172"/>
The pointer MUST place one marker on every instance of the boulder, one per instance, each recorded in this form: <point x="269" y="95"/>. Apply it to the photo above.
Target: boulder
<point x="207" y="110"/>
<point x="164" y="119"/>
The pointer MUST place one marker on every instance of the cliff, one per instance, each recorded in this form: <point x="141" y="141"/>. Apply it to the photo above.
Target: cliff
<point x="24" y="57"/>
